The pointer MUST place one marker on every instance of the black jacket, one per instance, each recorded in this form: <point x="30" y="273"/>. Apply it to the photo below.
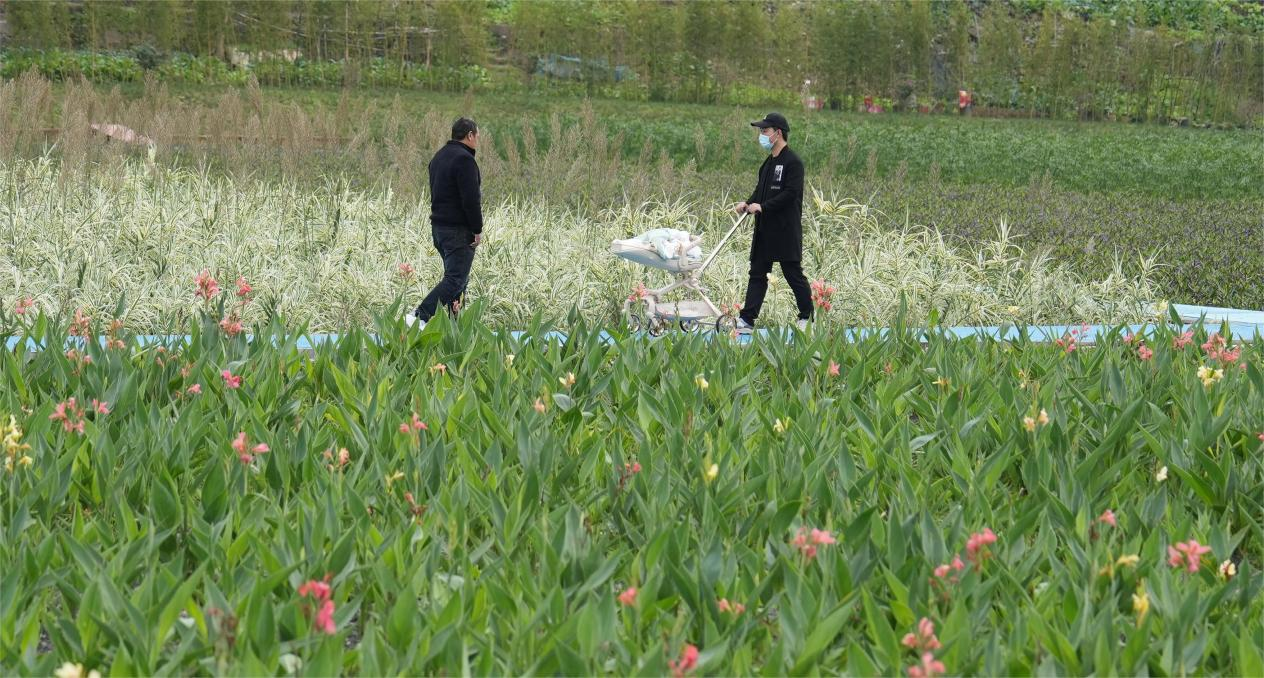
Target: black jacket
<point x="779" y="228"/>
<point x="456" y="189"/>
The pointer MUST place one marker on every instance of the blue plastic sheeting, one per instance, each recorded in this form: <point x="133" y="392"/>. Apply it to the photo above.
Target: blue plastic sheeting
<point x="1215" y="314"/>
<point x="1240" y="331"/>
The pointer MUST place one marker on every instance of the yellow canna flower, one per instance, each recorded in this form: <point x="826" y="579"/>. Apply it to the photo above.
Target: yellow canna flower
<point x="779" y="426"/>
<point x="1043" y="419"/>
<point x="509" y="358"/>
<point x="712" y="472"/>
<point x="1228" y="570"/>
<point x="1128" y="561"/>
<point x="701" y="382"/>
<point x="1141" y="603"/>
<point x="1029" y="424"/>
<point x="567" y="381"/>
<point x="1161" y="475"/>
<point x="390" y="480"/>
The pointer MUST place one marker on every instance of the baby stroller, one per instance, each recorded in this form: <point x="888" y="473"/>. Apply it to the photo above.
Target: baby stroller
<point x="647" y="310"/>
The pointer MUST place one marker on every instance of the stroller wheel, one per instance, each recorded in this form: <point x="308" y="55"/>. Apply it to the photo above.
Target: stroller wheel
<point x="689" y="325"/>
<point x="657" y="327"/>
<point x="636" y="322"/>
<point x="725" y="324"/>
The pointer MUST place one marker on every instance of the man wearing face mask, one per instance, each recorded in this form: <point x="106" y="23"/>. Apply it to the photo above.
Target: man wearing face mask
<point x="777" y="204"/>
<point x="456" y="219"/>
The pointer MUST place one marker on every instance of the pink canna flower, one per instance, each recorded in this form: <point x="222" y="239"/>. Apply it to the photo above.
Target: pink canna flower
<point x="406" y="271"/>
<point x="1108" y="517"/>
<point x="976" y="545"/>
<point x="833" y="369"/>
<point x="100" y="406"/>
<point x="70" y="415"/>
<point x="194" y="389"/>
<point x="1188" y="554"/>
<point x="321" y="592"/>
<point x="688" y="662"/>
<point x="325" y="618"/>
<point x="231" y="325"/>
<point x="230" y="381"/>
<point x="734" y="609"/>
<point x="1261" y="436"/>
<point x="941" y="571"/>
<point x="246" y="453"/>
<point x="924" y="640"/>
<point x="929" y="668"/>
<point x="1182" y="341"/>
<point x="628" y="597"/>
<point x="207" y="287"/>
<point x="1144" y="353"/>
<point x="243" y="288"/>
<point x="24" y="305"/>
<point x="808" y="541"/>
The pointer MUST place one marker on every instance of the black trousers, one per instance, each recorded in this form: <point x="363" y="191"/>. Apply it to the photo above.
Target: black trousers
<point x="757" y="288"/>
<point x="456" y="246"/>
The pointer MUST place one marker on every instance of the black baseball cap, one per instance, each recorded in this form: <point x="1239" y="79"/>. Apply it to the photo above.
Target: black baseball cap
<point x="774" y="120"/>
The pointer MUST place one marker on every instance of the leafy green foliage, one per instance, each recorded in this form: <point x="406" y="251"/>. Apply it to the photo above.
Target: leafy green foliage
<point x="499" y="538"/>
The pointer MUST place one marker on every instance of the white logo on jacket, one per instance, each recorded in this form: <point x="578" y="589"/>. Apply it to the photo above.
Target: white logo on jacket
<point x="776" y="172"/>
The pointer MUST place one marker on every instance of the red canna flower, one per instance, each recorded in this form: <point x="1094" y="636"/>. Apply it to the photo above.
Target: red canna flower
<point x="1108" y="517"/>
<point x="230" y="381"/>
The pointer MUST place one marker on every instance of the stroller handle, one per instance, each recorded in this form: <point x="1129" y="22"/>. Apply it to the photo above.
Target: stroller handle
<point x="720" y="245"/>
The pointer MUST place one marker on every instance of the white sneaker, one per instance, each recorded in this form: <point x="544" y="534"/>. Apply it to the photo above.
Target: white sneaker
<point x="743" y="327"/>
<point x="411" y="320"/>
<point x="801" y="324"/>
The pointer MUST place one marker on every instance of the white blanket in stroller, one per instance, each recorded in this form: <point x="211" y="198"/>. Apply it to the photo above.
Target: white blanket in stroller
<point x="671" y="243"/>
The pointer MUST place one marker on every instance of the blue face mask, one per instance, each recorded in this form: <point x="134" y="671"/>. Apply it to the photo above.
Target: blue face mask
<point x="765" y="141"/>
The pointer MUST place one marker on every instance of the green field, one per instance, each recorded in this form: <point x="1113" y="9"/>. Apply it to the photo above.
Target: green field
<point x="487" y="505"/>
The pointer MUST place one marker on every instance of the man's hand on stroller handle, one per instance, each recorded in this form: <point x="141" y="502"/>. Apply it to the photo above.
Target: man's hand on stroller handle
<point x="745" y="208"/>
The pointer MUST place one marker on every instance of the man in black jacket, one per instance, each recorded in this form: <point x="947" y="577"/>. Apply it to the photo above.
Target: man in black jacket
<point x="777" y="204"/>
<point x="456" y="218"/>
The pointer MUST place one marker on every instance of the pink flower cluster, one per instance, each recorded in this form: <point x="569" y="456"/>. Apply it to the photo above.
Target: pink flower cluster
<point x="406" y="271"/>
<point x="1184" y="340"/>
<point x="976" y="545"/>
<point x="413" y="427"/>
<point x="628" y="597"/>
<point x="1108" y="517"/>
<point x="1216" y="350"/>
<point x="230" y="380"/>
<point x="688" y="662"/>
<point x="1071" y="342"/>
<point x="207" y="288"/>
<point x="734" y="609"/>
<point x="1188" y="555"/>
<point x="834" y="369"/>
<point x="24" y="305"/>
<point x="320" y="592"/>
<point x="246" y="453"/>
<point x="808" y="541"/>
<point x="1143" y="351"/>
<point x="924" y="642"/>
<point x="71" y="415"/>
<point x="822" y="294"/>
<point x="639" y="292"/>
<point x="629" y="470"/>
<point x="976" y="552"/>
